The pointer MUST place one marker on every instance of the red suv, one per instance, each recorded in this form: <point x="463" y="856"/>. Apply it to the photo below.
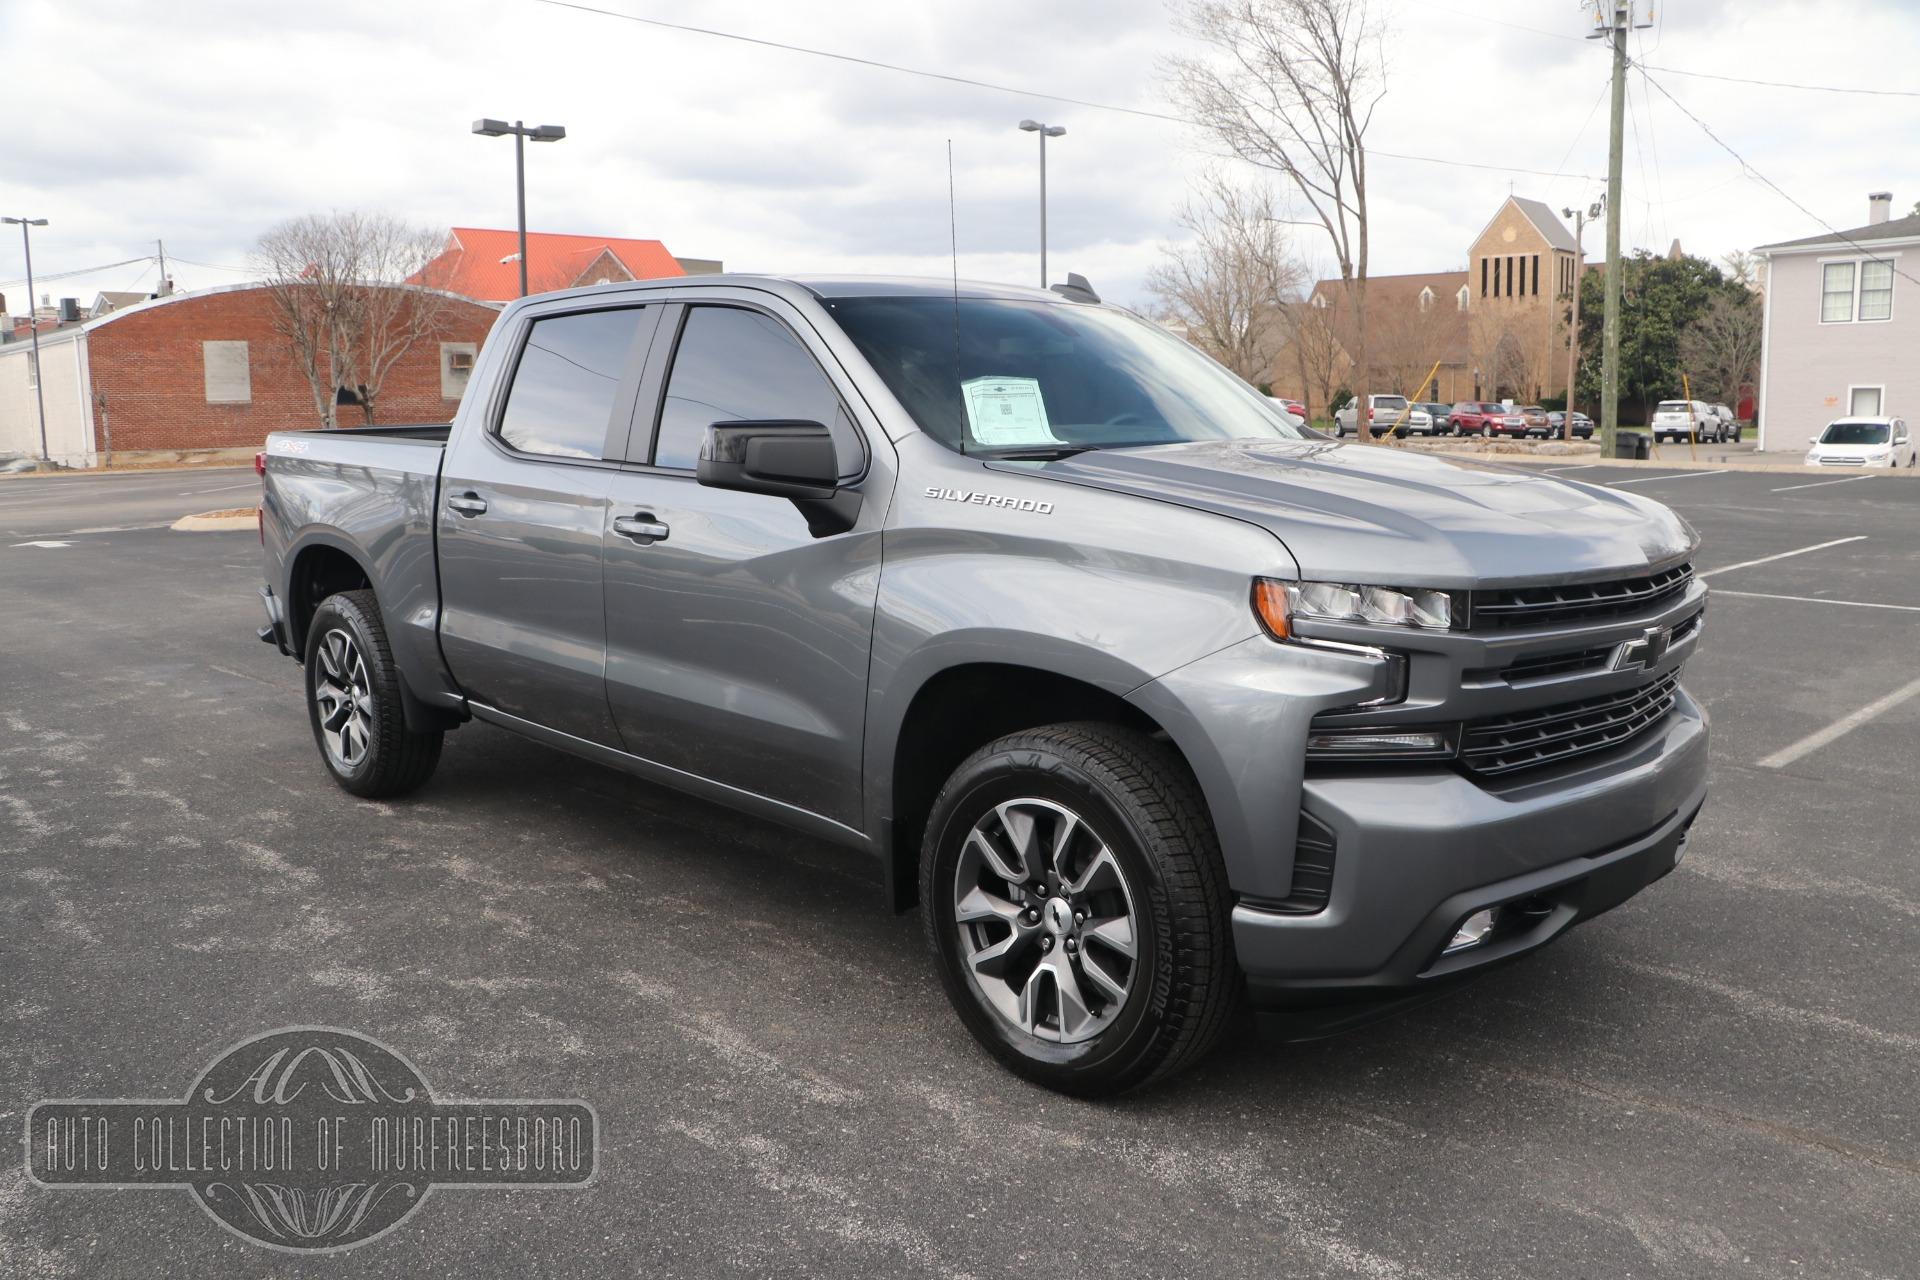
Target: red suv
<point x="1484" y="418"/>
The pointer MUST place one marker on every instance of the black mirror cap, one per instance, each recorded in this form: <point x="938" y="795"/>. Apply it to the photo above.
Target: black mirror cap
<point x="782" y="457"/>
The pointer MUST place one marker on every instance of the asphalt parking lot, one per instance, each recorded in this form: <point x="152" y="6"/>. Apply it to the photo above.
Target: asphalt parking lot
<point x="1720" y="1078"/>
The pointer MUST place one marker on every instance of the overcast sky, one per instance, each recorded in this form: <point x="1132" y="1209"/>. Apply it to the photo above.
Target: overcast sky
<point x="204" y="121"/>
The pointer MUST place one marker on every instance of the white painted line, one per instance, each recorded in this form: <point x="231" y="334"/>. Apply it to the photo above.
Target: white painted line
<point x="43" y="544"/>
<point x="188" y="493"/>
<point x="1840" y="728"/>
<point x="1678" y="475"/>
<point x="1591" y="466"/>
<point x="1817" y="483"/>
<point x="1748" y="564"/>
<point x="1851" y="604"/>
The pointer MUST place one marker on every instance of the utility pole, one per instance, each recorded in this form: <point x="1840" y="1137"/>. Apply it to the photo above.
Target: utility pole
<point x="162" y="288"/>
<point x="1612" y="19"/>
<point x="1580" y="217"/>
<point x="33" y="328"/>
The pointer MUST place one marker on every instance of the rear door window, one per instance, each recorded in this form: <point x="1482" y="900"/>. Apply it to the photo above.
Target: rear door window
<point x="561" y="401"/>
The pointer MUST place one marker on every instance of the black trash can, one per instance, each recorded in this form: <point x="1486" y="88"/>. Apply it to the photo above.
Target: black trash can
<point x="1633" y="444"/>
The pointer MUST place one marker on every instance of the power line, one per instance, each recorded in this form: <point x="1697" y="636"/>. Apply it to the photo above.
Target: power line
<point x="1747" y="168"/>
<point x="1003" y="88"/>
<point x="1783" y="84"/>
<point x="38" y="277"/>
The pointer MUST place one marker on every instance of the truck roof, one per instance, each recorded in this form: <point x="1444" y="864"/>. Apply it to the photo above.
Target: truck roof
<point x="829" y="286"/>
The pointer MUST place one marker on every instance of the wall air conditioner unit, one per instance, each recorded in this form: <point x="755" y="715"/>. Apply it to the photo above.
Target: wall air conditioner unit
<point x="460" y="361"/>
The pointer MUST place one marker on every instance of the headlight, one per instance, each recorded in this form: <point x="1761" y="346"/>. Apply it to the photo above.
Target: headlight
<point x="1279" y="603"/>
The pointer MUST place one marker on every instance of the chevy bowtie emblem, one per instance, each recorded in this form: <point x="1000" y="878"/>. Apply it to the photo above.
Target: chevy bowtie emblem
<point x="1644" y="652"/>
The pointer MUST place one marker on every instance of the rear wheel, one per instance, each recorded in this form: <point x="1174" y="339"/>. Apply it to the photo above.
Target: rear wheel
<point x="354" y="702"/>
<point x="1076" y="906"/>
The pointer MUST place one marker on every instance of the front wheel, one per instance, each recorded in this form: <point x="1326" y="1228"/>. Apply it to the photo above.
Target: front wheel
<point x="1076" y="906"/>
<point x="353" y="700"/>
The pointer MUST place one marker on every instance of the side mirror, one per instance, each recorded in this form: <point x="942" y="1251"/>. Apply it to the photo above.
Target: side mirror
<point x="783" y="458"/>
<point x="1813" y="439"/>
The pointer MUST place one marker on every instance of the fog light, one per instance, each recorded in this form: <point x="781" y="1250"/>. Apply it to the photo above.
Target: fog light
<point x="1472" y="932"/>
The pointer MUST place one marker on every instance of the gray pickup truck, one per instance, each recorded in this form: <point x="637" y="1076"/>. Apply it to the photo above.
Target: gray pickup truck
<point x="1152" y="701"/>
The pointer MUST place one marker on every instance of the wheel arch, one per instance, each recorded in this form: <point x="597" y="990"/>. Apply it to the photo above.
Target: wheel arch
<point x="952" y="713"/>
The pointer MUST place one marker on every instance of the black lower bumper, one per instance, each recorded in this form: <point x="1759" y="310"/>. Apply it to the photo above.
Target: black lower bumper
<point x="1530" y="911"/>
<point x="275" y="632"/>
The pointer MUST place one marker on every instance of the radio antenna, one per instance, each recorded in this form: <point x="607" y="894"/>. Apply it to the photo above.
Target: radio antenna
<point x="953" y="240"/>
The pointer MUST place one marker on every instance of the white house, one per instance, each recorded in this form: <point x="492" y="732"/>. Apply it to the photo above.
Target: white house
<point x="1842" y="329"/>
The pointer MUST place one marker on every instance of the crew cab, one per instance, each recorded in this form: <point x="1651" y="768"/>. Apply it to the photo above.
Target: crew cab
<point x="1486" y="418"/>
<point x="1151" y="701"/>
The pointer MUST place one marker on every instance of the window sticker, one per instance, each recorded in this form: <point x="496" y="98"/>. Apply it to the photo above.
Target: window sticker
<point x="1007" y="412"/>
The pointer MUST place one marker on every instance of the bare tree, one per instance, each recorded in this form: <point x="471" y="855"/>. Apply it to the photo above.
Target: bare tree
<point x="1720" y="350"/>
<point x="1314" y="352"/>
<point x="341" y="299"/>
<point x="1228" y="284"/>
<point x="1410" y="340"/>
<point x="1291" y="86"/>
<point x="1742" y="268"/>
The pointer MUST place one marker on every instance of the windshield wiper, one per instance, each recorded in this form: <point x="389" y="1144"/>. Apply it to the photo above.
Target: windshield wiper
<point x="1042" y="453"/>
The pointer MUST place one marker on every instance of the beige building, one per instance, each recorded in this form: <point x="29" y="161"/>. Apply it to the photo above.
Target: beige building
<point x="1842" y="331"/>
<point x="1496" y="331"/>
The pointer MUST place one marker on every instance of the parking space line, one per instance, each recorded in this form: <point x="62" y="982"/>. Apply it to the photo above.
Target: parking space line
<point x="1554" y="471"/>
<point x="1817" y="483"/>
<point x="1851" y="604"/>
<point x="1748" y="564"/>
<point x="1840" y="728"/>
<point x="1678" y="475"/>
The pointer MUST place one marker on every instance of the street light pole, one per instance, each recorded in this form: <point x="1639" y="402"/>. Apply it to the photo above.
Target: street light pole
<point x="1580" y="218"/>
<point x="33" y="327"/>
<point x="521" y="133"/>
<point x="1045" y="131"/>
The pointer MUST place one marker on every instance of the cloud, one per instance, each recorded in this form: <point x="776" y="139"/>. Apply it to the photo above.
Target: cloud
<point x="204" y="123"/>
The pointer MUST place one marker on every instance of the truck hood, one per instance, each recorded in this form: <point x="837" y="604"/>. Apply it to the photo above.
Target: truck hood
<point x="1374" y="514"/>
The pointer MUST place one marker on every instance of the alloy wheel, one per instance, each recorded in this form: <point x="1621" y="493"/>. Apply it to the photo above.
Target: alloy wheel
<point x="344" y="695"/>
<point x="1046" y="921"/>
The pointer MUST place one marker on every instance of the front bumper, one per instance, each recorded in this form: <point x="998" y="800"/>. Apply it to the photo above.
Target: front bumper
<point x="1418" y="852"/>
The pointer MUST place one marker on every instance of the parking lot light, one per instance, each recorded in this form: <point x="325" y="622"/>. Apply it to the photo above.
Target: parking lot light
<point x="490" y="128"/>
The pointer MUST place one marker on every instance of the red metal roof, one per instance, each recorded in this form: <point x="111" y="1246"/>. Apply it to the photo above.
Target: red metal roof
<point x="481" y="262"/>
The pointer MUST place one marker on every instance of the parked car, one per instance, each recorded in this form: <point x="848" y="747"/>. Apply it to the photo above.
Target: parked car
<point x="1729" y="425"/>
<point x="1440" y="416"/>
<point x="1486" y="418"/>
<point x="1684" y="419"/>
<point x="1862" y="442"/>
<point x="1387" y="413"/>
<point x="1295" y="407"/>
<point x="1105" y="667"/>
<point x="1557" y="424"/>
<point x="1536" y="420"/>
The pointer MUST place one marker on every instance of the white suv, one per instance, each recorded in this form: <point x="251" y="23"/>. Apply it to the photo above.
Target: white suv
<point x="1681" y="419"/>
<point x="1862" y="442"/>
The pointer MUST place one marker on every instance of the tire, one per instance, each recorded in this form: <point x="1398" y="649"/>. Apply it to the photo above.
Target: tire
<point x="1486" y="431"/>
<point x="354" y="702"/>
<point x="1141" y="843"/>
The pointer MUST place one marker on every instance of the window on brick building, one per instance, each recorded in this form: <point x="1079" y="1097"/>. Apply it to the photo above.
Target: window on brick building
<point x="1536" y="275"/>
<point x="229" y="377"/>
<point x="456" y="367"/>
<point x="1464" y="293"/>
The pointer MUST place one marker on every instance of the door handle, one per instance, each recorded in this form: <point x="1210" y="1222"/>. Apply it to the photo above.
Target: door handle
<point x="643" y="528"/>
<point x="467" y="504"/>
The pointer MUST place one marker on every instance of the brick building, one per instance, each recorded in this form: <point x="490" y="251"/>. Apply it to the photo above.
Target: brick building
<point x="204" y="370"/>
<point x="1497" y="330"/>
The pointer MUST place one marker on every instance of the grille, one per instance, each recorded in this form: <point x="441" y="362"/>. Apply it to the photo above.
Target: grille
<point x="1843" y="462"/>
<point x="1512" y="608"/>
<point x="1549" y="665"/>
<point x="1550" y="735"/>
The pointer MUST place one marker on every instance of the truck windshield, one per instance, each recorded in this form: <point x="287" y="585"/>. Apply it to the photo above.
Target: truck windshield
<point x="1855" y="433"/>
<point x="1016" y="378"/>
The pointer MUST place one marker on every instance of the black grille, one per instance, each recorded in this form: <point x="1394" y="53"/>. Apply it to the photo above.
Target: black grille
<point x="1550" y="735"/>
<point x="1312" y="870"/>
<point x="1548" y="665"/>
<point x="1515" y="607"/>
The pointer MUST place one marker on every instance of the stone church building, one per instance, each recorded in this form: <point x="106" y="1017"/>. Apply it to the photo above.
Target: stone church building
<point x="1497" y="330"/>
